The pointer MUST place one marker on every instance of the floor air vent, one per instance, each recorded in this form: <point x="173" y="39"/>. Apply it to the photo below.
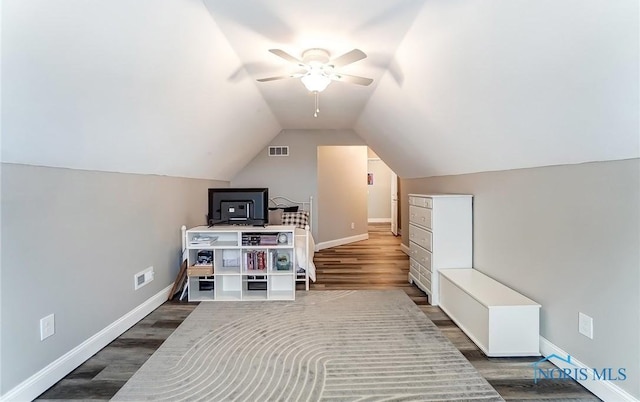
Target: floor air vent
<point x="278" y="151"/>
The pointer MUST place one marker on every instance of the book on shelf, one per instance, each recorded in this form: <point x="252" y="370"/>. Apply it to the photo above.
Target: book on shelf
<point x="259" y="239"/>
<point x="250" y="239"/>
<point x="200" y="244"/>
<point x="202" y="240"/>
<point x="256" y="260"/>
<point x="269" y="239"/>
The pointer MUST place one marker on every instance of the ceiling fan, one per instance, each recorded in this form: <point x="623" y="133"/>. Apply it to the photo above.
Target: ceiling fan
<point x="317" y="70"/>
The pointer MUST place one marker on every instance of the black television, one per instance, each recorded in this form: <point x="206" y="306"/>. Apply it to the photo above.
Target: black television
<point x="238" y="206"/>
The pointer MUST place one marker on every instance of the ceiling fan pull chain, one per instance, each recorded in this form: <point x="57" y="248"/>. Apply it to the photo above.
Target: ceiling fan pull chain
<point x="317" y="105"/>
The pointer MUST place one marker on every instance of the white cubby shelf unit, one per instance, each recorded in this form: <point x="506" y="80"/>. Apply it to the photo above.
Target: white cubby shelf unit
<point x="236" y="263"/>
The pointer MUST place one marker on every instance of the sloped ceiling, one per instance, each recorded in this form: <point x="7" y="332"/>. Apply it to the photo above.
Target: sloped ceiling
<point x="501" y="84"/>
<point x="255" y="26"/>
<point x="126" y="86"/>
<point x="168" y="86"/>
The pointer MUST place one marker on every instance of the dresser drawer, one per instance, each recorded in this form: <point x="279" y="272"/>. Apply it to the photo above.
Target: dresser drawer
<point x="426" y="282"/>
<point x="425" y="272"/>
<point x="423" y="257"/>
<point x="418" y="269"/>
<point x="414" y="268"/>
<point x="417" y="273"/>
<point x="420" y="201"/>
<point x="413" y="250"/>
<point x="421" y="237"/>
<point x="420" y="216"/>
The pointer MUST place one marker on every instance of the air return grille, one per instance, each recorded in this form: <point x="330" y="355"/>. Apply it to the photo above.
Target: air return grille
<point x="142" y="278"/>
<point x="278" y="151"/>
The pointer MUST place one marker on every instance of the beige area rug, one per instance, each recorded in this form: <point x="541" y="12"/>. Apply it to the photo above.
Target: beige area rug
<point x="325" y="345"/>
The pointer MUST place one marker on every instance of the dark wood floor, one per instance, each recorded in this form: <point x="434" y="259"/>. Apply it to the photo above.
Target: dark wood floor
<point x="377" y="263"/>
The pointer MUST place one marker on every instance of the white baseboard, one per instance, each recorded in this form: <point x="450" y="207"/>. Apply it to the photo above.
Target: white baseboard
<point x="605" y="390"/>
<point x="404" y="248"/>
<point x="379" y="220"/>
<point x="340" y="242"/>
<point x="35" y="385"/>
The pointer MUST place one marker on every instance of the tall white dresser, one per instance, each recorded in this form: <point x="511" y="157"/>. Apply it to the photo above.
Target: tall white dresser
<point x="440" y="236"/>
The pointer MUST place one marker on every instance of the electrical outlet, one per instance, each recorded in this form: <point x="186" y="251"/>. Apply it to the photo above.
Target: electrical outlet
<point x="353" y="225"/>
<point x="47" y="327"/>
<point x="585" y="325"/>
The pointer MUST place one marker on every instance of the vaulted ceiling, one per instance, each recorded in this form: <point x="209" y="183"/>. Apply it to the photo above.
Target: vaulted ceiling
<point x="169" y="86"/>
<point x="253" y="27"/>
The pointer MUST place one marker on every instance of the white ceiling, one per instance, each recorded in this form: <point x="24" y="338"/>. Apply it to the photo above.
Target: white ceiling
<point x="126" y="86"/>
<point x="255" y="26"/>
<point x="500" y="84"/>
<point x="168" y="86"/>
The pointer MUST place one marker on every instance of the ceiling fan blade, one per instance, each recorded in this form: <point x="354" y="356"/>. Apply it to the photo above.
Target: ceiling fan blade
<point x="352" y="79"/>
<point x="348" y="58"/>
<point x="286" y="56"/>
<point x="282" y="77"/>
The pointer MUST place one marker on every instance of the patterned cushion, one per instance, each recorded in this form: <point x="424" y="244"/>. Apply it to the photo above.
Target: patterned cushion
<point x="300" y="219"/>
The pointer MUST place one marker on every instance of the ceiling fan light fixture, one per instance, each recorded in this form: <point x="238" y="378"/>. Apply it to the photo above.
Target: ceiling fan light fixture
<point x="315" y="81"/>
<point x="319" y="70"/>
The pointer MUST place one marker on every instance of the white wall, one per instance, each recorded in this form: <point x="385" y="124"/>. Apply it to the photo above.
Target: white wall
<point x="295" y="176"/>
<point x="567" y="237"/>
<point x="72" y="241"/>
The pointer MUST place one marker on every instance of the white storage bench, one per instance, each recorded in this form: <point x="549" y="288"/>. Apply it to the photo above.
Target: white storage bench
<point x="501" y="321"/>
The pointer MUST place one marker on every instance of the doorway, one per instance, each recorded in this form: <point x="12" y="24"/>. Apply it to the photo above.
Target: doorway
<point x="382" y="194"/>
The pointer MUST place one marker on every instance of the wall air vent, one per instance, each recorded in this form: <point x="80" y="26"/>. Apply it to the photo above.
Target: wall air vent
<point x="142" y="278"/>
<point x="278" y="150"/>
